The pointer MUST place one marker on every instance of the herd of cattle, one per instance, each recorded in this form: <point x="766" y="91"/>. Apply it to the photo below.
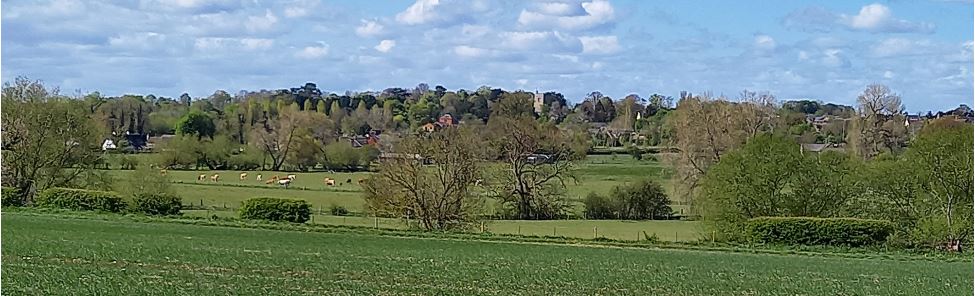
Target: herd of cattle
<point x="280" y="180"/>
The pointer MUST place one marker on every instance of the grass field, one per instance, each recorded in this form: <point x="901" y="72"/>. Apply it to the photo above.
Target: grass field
<point x="613" y="229"/>
<point x="598" y="173"/>
<point x="64" y="256"/>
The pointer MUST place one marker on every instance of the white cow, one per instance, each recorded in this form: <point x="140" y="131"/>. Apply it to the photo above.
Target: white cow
<point x="292" y="177"/>
<point x="284" y="182"/>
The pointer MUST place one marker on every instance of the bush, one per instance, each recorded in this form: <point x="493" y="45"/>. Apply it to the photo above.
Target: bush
<point x="850" y="232"/>
<point x="599" y="206"/>
<point x="80" y="199"/>
<point x="275" y="209"/>
<point x="338" y="210"/>
<point x="157" y="203"/>
<point x="12" y="197"/>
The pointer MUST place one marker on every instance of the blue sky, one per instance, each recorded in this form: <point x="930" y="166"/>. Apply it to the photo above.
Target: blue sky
<point x="825" y="50"/>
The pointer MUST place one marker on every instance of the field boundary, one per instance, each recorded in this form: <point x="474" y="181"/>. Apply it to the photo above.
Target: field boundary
<point x="499" y="238"/>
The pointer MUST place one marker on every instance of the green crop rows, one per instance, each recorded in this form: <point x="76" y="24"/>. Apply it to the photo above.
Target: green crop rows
<point x="51" y="256"/>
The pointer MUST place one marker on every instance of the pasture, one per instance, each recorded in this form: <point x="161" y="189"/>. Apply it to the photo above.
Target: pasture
<point x="613" y="229"/>
<point x="60" y="256"/>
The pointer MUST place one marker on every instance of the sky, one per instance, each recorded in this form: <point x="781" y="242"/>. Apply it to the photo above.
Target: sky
<point x="823" y="50"/>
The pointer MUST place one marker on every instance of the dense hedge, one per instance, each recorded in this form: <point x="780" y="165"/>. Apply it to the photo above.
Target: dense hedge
<point x="157" y="203"/>
<point x="11" y="197"/>
<point x="275" y="209"/>
<point x="80" y="199"/>
<point x="818" y="231"/>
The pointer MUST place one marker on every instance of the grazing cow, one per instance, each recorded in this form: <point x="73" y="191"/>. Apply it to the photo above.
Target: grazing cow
<point x="259" y="177"/>
<point x="292" y="177"/>
<point x="163" y="172"/>
<point x="201" y="177"/>
<point x="362" y="181"/>
<point x="329" y="182"/>
<point x="272" y="179"/>
<point x="243" y="176"/>
<point x="215" y="178"/>
<point x="284" y="182"/>
<point x="348" y="181"/>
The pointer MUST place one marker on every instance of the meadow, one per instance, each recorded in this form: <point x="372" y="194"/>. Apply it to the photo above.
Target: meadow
<point x="597" y="173"/>
<point x="45" y="255"/>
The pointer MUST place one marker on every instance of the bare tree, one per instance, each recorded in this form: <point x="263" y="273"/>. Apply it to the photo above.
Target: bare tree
<point x="876" y="106"/>
<point x="438" y="195"/>
<point x="537" y="164"/>
<point x="275" y="137"/>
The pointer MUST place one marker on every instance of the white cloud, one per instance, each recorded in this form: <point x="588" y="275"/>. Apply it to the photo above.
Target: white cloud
<point x="878" y="18"/>
<point x="469" y="52"/>
<point x="295" y="11"/>
<point x="420" y="12"/>
<point x="261" y="23"/>
<point x="599" y="44"/>
<point x="888" y="74"/>
<point x="834" y="58"/>
<point x="764" y="42"/>
<point x="891" y="47"/>
<point x="143" y="40"/>
<point x="217" y="43"/>
<point x="539" y="41"/>
<point x="559" y="8"/>
<point x="596" y="13"/>
<point x="313" y="52"/>
<point x="369" y="28"/>
<point x="385" y="45"/>
<point x="803" y="55"/>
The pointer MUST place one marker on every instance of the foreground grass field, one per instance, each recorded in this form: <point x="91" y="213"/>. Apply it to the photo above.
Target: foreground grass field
<point x="51" y="256"/>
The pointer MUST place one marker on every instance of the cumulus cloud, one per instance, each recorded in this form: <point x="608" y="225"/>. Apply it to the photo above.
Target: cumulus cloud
<point x="764" y="42"/>
<point x="369" y="28"/>
<point x="878" y="18"/>
<point x="470" y="52"/>
<point x="539" y="41"/>
<point x="441" y="11"/>
<point x="261" y="23"/>
<point x="313" y="52"/>
<point x="599" y="44"/>
<point x="875" y="18"/>
<point x="385" y="45"/>
<point x="566" y="17"/>
<point x="892" y="47"/>
<point x="192" y="6"/>
<point x="219" y="43"/>
<point x="141" y="40"/>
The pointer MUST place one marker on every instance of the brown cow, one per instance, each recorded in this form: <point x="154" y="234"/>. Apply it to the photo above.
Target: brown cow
<point x="215" y="178"/>
<point x="243" y="176"/>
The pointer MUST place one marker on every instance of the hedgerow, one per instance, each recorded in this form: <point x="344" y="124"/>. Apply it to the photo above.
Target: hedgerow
<point x="818" y="231"/>
<point x="81" y="199"/>
<point x="275" y="209"/>
<point x="157" y="203"/>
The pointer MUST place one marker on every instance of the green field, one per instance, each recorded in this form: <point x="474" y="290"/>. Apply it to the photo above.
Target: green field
<point x="44" y="255"/>
<point x="599" y="173"/>
<point x="613" y="229"/>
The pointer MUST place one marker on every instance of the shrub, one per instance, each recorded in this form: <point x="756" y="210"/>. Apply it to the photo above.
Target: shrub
<point x="338" y="210"/>
<point x="644" y="199"/>
<point x="818" y="231"/>
<point x="157" y="203"/>
<point x="12" y="197"/>
<point x="599" y="206"/>
<point x="80" y="199"/>
<point x="275" y="209"/>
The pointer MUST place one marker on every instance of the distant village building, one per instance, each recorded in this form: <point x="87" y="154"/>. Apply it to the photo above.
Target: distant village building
<point x="538" y="102"/>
